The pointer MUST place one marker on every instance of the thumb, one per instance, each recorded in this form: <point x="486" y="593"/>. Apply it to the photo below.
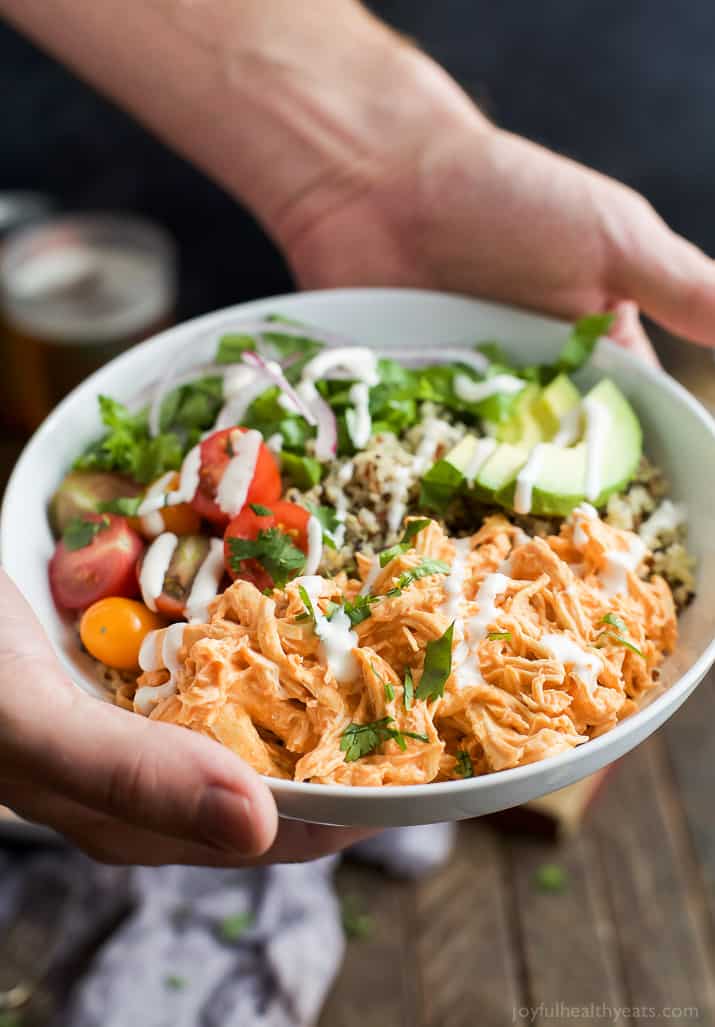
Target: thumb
<point x="669" y="278"/>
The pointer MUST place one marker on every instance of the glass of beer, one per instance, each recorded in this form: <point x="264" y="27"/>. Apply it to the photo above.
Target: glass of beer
<point x="76" y="290"/>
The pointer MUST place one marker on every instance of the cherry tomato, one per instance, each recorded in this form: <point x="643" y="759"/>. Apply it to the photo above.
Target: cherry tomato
<point x="181" y="519"/>
<point x="289" y="518"/>
<point x="265" y="485"/>
<point x="105" y="566"/>
<point x="113" y="629"/>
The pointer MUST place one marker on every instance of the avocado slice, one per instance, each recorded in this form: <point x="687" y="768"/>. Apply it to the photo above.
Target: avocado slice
<point x="446" y="477"/>
<point x="560" y="483"/>
<point x="524" y="426"/>
<point x="500" y="470"/>
<point x="556" y="400"/>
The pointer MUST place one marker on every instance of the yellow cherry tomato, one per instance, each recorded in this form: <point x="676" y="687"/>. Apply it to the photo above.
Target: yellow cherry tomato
<point x="181" y="519"/>
<point x="113" y="629"/>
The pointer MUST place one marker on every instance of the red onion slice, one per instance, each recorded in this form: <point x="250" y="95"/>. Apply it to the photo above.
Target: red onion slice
<point x="270" y="369"/>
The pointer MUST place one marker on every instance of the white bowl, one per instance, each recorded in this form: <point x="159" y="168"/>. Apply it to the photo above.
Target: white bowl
<point x="679" y="435"/>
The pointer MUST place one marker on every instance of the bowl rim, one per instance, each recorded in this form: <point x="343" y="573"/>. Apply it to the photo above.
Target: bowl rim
<point x="483" y="782"/>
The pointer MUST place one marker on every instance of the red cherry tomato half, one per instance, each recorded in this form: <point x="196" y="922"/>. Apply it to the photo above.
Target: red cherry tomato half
<point x="106" y="566"/>
<point x="289" y="518"/>
<point x="265" y="485"/>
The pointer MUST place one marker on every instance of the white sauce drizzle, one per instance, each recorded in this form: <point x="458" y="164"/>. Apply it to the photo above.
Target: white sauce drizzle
<point x="586" y="666"/>
<point x="473" y="392"/>
<point x="152" y="523"/>
<point x="358" y="418"/>
<point x="159" y="651"/>
<point x="491" y="588"/>
<point x="618" y="562"/>
<point x="598" y="419"/>
<point x="206" y="583"/>
<point x="569" y="427"/>
<point x="236" y="480"/>
<point x="315" y="546"/>
<point x="154" y="567"/>
<point x="372" y="574"/>
<point x="275" y="442"/>
<point x="668" y="517"/>
<point x="579" y="514"/>
<point x="405" y="474"/>
<point x="356" y="362"/>
<point x="526" y="478"/>
<point x="342" y="504"/>
<point x="482" y="451"/>
<point x="337" y="640"/>
<point x="158" y="495"/>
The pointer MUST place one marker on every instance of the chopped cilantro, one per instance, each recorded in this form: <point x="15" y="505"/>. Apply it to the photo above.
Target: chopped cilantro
<point x="232" y="928"/>
<point x="175" y="983"/>
<point x="620" y="635"/>
<point x="307" y="603"/>
<point x="359" y="609"/>
<point x="411" y="531"/>
<point x="361" y="739"/>
<point x="80" y="532"/>
<point x="464" y="764"/>
<point x="273" y="550"/>
<point x="550" y="877"/>
<point x="437" y="666"/>
<point x="357" y="924"/>
<point x="408" y="689"/>
<point x="422" y="570"/>
<point x="260" y="511"/>
<point x="125" y="506"/>
<point x="389" y="691"/>
<point x="496" y="636"/>
<point x="329" y="521"/>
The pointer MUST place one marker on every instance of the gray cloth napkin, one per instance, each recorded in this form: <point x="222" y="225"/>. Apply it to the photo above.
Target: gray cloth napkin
<point x="209" y="948"/>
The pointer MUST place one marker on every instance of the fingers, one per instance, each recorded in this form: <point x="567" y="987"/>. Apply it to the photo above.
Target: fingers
<point x="669" y="279"/>
<point x="628" y="331"/>
<point x="110" y="840"/>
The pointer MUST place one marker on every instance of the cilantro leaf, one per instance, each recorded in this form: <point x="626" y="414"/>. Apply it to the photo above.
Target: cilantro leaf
<point x="273" y="550"/>
<point x="357" y="924"/>
<point x="359" y="609"/>
<point x="231" y="928"/>
<point x="389" y="691"/>
<point x="437" y="666"/>
<point x="329" y="521"/>
<point x="620" y="635"/>
<point x="408" y="689"/>
<point x="260" y="511"/>
<point x="360" y="740"/>
<point x="495" y="636"/>
<point x="422" y="570"/>
<point x="81" y="532"/>
<point x="231" y="346"/>
<point x="412" y="529"/>
<point x="307" y="603"/>
<point x="464" y="764"/>
<point x="580" y="343"/>
<point x="550" y="878"/>
<point x="125" y="506"/>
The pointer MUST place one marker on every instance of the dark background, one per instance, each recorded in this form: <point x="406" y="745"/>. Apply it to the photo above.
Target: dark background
<point x="626" y="87"/>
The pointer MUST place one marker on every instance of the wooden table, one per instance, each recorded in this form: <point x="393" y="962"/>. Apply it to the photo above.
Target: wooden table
<point x="630" y="939"/>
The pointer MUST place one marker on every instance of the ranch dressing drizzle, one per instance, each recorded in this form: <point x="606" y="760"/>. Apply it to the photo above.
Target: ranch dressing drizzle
<point x="206" y="583"/>
<point x="491" y="588"/>
<point x="569" y="427"/>
<point x="579" y="514"/>
<point x="473" y="392"/>
<point x="371" y="575"/>
<point x="357" y="362"/>
<point x="597" y="422"/>
<point x="159" y="651"/>
<point x="154" y="567"/>
<point x="667" y="517"/>
<point x="337" y="640"/>
<point x="315" y="546"/>
<point x="358" y="419"/>
<point x="585" y="666"/>
<point x="275" y="442"/>
<point x="618" y="562"/>
<point x="526" y="478"/>
<point x="236" y="480"/>
<point x="158" y="495"/>
<point x="405" y="474"/>
<point x="466" y="663"/>
<point x="482" y="451"/>
<point x="341" y="502"/>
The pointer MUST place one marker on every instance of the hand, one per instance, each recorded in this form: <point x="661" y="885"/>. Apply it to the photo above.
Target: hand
<point x="123" y="788"/>
<point x="472" y="209"/>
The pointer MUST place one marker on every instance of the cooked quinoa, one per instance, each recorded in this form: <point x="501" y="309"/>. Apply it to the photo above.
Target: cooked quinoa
<point x="368" y="482"/>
